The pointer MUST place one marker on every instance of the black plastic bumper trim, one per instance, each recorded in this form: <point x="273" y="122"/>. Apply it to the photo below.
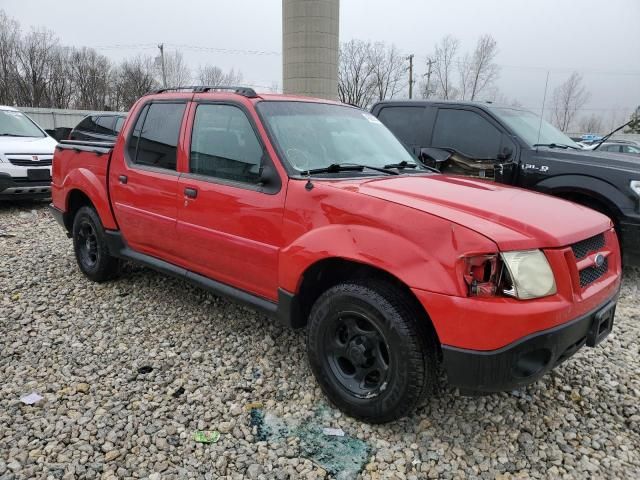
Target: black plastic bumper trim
<point x="529" y="358"/>
<point x="630" y="239"/>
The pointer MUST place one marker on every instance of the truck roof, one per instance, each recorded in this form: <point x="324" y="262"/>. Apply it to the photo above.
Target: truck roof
<point x="423" y="103"/>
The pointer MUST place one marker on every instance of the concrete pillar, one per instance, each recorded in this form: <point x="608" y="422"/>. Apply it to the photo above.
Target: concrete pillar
<point x="310" y="42"/>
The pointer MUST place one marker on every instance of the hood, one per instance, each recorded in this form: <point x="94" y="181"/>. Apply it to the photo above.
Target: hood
<point x="27" y="145"/>
<point x="619" y="161"/>
<point x="513" y="218"/>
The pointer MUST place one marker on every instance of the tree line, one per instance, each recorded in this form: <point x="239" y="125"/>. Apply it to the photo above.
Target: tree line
<point x="36" y="70"/>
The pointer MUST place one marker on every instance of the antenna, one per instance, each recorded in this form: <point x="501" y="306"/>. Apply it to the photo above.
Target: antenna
<point x="544" y="99"/>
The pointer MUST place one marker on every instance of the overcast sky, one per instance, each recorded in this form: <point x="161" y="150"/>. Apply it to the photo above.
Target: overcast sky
<point x="600" y="39"/>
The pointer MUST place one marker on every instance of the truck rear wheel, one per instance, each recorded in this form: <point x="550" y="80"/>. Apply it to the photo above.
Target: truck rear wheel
<point x="368" y="352"/>
<point x="90" y="246"/>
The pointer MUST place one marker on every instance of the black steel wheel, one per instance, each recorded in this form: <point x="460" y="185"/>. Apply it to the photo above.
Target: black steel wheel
<point x="358" y="353"/>
<point x="92" y="253"/>
<point x="368" y="351"/>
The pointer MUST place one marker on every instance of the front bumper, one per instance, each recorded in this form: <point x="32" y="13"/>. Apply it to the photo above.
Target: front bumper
<point x="630" y="239"/>
<point x="19" y="187"/>
<point x="528" y="359"/>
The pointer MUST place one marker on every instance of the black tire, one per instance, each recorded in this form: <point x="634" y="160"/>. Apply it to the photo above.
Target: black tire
<point x="90" y="247"/>
<point x="353" y="328"/>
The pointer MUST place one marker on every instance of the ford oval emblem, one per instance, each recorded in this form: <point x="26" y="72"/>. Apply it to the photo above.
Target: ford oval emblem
<point x="599" y="260"/>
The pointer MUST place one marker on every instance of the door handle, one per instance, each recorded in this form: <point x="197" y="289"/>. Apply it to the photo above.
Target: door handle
<point x="123" y="179"/>
<point x="190" y="192"/>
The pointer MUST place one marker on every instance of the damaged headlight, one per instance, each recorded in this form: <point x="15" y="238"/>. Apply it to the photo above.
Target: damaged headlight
<point x="531" y="275"/>
<point x="521" y="274"/>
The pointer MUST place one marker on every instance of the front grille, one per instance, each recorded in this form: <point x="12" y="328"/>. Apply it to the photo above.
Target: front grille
<point x="23" y="162"/>
<point x="591" y="274"/>
<point x="585" y="247"/>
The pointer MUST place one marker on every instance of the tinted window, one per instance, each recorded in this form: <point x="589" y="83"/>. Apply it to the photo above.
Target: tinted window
<point x="466" y="132"/>
<point x="88" y="124"/>
<point x="104" y="125"/>
<point x="157" y="140"/>
<point x="612" y="148"/>
<point x="631" y="149"/>
<point x="119" y="122"/>
<point x="404" y="122"/>
<point x="224" y="145"/>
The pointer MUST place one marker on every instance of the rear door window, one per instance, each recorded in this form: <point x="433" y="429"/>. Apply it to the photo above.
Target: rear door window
<point x="404" y="122"/>
<point x="88" y="124"/>
<point x="154" y="140"/>
<point x="104" y="125"/>
<point x="466" y="132"/>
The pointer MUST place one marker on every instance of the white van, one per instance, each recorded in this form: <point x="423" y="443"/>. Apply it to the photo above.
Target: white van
<point x="26" y="152"/>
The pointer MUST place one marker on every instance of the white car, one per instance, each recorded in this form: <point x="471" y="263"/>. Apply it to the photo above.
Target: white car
<point x="26" y="152"/>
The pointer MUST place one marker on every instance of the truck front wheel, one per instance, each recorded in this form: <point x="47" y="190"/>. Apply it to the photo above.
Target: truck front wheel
<point x="368" y="352"/>
<point x="90" y="246"/>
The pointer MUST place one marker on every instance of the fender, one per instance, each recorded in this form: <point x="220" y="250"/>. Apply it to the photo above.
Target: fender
<point x="407" y="261"/>
<point x="95" y="189"/>
<point x="598" y="189"/>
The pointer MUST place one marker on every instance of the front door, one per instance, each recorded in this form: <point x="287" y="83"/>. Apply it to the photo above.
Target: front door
<point x="230" y="224"/>
<point x="479" y="147"/>
<point x="144" y="185"/>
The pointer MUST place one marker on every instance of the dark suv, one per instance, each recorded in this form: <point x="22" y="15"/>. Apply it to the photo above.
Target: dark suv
<point x="99" y="127"/>
<point x="514" y="146"/>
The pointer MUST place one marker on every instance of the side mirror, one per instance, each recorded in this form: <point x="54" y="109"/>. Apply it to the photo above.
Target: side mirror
<point x="434" y="155"/>
<point x="505" y="154"/>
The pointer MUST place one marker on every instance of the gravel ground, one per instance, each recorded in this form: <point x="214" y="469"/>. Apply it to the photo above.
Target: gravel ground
<point x="84" y="348"/>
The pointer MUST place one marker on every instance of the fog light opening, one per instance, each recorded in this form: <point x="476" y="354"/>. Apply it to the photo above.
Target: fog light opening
<point x="532" y="363"/>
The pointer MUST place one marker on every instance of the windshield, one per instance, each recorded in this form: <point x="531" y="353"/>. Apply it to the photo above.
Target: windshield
<point x="17" y="124"/>
<point x="526" y="125"/>
<point x="315" y="135"/>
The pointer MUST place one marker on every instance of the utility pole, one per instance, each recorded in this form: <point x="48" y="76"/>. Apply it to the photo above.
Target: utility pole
<point x="164" y="73"/>
<point x="410" y="58"/>
<point x="428" y="75"/>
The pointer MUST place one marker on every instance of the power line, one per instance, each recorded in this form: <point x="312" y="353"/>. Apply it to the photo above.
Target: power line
<point x="143" y="46"/>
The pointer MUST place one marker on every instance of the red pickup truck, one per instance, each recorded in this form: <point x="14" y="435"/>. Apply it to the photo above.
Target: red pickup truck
<point x="313" y="212"/>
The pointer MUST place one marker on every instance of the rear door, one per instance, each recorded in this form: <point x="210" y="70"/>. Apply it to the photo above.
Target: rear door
<point x="144" y="184"/>
<point x="229" y="225"/>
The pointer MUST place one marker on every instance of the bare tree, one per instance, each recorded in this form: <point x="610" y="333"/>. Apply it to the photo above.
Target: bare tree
<point x="478" y="71"/>
<point x="176" y="70"/>
<point x="34" y="55"/>
<point x="134" y="78"/>
<point x="444" y="58"/>
<point x="9" y="40"/>
<point x="60" y="85"/>
<point x="91" y="73"/>
<point x="213" y="75"/>
<point x="591" y="124"/>
<point x="568" y="98"/>
<point x="389" y="70"/>
<point x="356" y="78"/>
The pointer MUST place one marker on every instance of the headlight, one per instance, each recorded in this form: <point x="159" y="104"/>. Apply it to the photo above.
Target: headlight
<point x="635" y="186"/>
<point x="531" y="275"/>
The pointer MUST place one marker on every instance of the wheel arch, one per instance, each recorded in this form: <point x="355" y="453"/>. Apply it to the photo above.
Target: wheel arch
<point x="328" y="272"/>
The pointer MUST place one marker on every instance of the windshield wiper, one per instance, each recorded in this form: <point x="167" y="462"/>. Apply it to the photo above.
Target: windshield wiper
<point x="13" y="135"/>
<point x="347" y="167"/>
<point x="555" y="145"/>
<point x="401" y="165"/>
